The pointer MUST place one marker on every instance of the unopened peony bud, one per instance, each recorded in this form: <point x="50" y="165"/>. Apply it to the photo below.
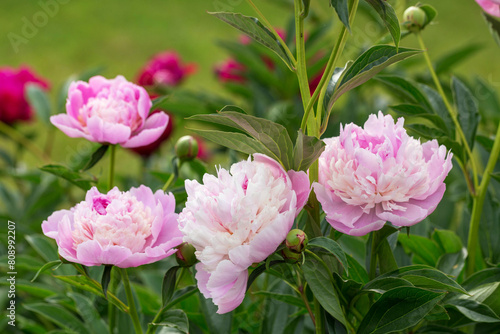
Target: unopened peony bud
<point x="185" y="255"/>
<point x="186" y="148"/>
<point x="414" y="19"/>
<point x="296" y="240"/>
<point x="290" y="256"/>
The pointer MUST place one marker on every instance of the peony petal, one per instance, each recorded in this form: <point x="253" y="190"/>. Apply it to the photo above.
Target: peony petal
<point x="90" y="253"/>
<point x="302" y="187"/>
<point x="151" y="131"/>
<point x="69" y="126"/>
<point x="106" y="132"/>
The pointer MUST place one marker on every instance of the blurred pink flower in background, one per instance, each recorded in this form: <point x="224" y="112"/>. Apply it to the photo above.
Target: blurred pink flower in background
<point x="230" y="70"/>
<point x="378" y="173"/>
<point x="238" y="218"/>
<point x="165" y="69"/>
<point x="13" y="104"/>
<point x="491" y="7"/>
<point x="110" y="111"/>
<point x="125" y="229"/>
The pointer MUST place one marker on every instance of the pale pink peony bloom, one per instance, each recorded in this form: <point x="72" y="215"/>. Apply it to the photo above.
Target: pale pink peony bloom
<point x="125" y="229"/>
<point x="238" y="218"/>
<point x="110" y="111"/>
<point x="378" y="173"/>
<point x="491" y="7"/>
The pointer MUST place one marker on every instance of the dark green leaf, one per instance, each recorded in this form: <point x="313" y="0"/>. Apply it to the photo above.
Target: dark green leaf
<point x="45" y="267"/>
<point x="413" y="110"/>
<point x="438" y="107"/>
<point x="494" y="26"/>
<point x="437" y="313"/>
<point x="174" y="319"/>
<point x="332" y="84"/>
<point x="369" y="64"/>
<point x="168" y="285"/>
<point x="407" y="89"/>
<point x="452" y="263"/>
<point x="332" y="247"/>
<point x="259" y="270"/>
<point x="385" y="284"/>
<point x="106" y="278"/>
<point x="426" y="131"/>
<point x="446" y="63"/>
<point x="342" y="10"/>
<point x="320" y="281"/>
<point x="386" y="259"/>
<point x="257" y="31"/>
<point x="447" y="240"/>
<point x="398" y="309"/>
<point x="485" y="142"/>
<point x="289" y="299"/>
<point x="43" y="246"/>
<point x="356" y="271"/>
<point x="39" y="100"/>
<point x="307" y="150"/>
<point x="389" y="17"/>
<point x="217" y="323"/>
<point x="479" y="278"/>
<point x="496" y="176"/>
<point x="432" y="279"/>
<point x="274" y="137"/>
<point x="474" y="310"/>
<point x="88" y="312"/>
<point x="75" y="178"/>
<point x="58" y="315"/>
<point x="96" y="156"/>
<point x="305" y="11"/>
<point x="425" y="251"/>
<point x="468" y="114"/>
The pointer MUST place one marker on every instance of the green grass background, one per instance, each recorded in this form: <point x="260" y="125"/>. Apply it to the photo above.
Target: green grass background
<point x="123" y="34"/>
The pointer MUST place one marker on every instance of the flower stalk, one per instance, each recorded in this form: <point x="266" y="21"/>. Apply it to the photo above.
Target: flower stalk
<point x="112" y="167"/>
<point x="131" y="304"/>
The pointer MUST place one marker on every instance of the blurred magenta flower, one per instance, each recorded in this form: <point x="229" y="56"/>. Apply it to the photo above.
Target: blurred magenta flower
<point x="230" y="70"/>
<point x="125" y="229"/>
<point x="378" y="173"/>
<point x="238" y="218"/>
<point x="110" y="111"/>
<point x="491" y="7"/>
<point x="13" y="104"/>
<point x="165" y="69"/>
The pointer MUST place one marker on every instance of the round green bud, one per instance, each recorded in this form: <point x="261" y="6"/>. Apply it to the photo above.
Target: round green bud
<point x="186" y="148"/>
<point x="414" y="19"/>
<point x="296" y="240"/>
<point x="290" y="256"/>
<point x="185" y="255"/>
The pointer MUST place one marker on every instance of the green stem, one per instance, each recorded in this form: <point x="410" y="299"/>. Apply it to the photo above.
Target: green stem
<point x="23" y="141"/>
<point x="111" y="308"/>
<point x="302" y="292"/>
<point x="112" y="167"/>
<point x="318" y="315"/>
<point x="373" y="258"/>
<point x="131" y="303"/>
<point x="477" y="206"/>
<point x="301" y="54"/>
<point x="168" y="183"/>
<point x="276" y="35"/>
<point x="451" y="111"/>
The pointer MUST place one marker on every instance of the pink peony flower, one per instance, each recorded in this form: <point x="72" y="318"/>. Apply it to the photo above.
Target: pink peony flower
<point x="378" y="173"/>
<point x="110" y="111"/>
<point x="491" y="7"/>
<point x="230" y="71"/>
<point x="148" y="150"/>
<point x="125" y="229"/>
<point x="239" y="218"/>
<point x="13" y="104"/>
<point x="164" y="69"/>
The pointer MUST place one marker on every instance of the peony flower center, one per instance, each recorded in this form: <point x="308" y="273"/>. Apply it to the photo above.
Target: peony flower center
<point x="118" y="219"/>
<point x="110" y="110"/>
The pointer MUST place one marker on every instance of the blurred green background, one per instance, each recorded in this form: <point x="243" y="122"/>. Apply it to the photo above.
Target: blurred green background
<point x="123" y="35"/>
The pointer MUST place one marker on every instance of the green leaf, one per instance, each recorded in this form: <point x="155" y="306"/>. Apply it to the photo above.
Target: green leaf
<point x="446" y="63"/>
<point x="73" y="177"/>
<point x="438" y="107"/>
<point x="474" y="310"/>
<point x="259" y="270"/>
<point x="437" y="313"/>
<point x="479" y="278"/>
<point x="39" y="100"/>
<point x="496" y="176"/>
<point x="386" y="259"/>
<point x="342" y="10"/>
<point x="307" y="150"/>
<point x="447" y="240"/>
<point x="333" y="248"/>
<point x="217" y="323"/>
<point x="58" y="315"/>
<point x="452" y="263"/>
<point x="385" y="284"/>
<point x="424" y="250"/>
<point x="413" y="110"/>
<point x="389" y="17"/>
<point x="407" y="89"/>
<point x="45" y="267"/>
<point x="168" y="285"/>
<point x="320" y="281"/>
<point x="398" y="309"/>
<point x="43" y="246"/>
<point x="494" y="25"/>
<point x="356" y="271"/>
<point x="274" y="137"/>
<point x="255" y="30"/>
<point x="468" y="114"/>
<point x="485" y="142"/>
<point x="88" y="312"/>
<point x="289" y="299"/>
<point x="174" y="319"/>
<point x="430" y="13"/>
<point x="305" y="11"/>
<point x="432" y="279"/>
<point x="106" y="278"/>
<point x="158" y="102"/>
<point x="369" y="64"/>
<point x="96" y="156"/>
